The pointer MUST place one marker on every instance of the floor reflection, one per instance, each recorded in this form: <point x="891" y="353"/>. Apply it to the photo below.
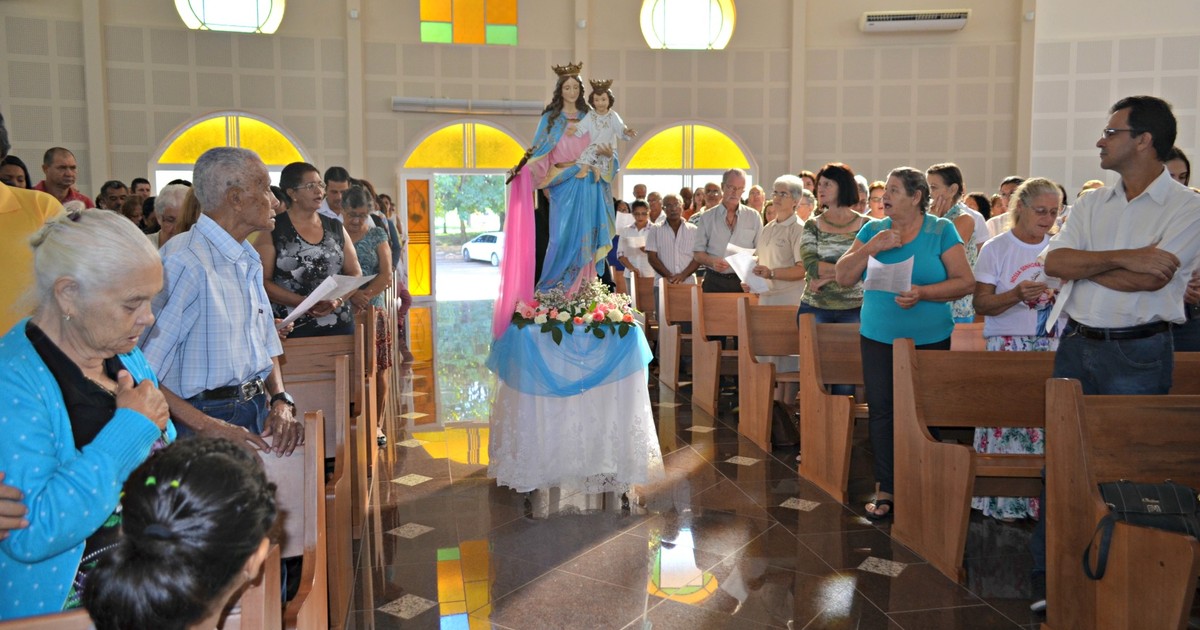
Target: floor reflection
<point x="730" y="538"/>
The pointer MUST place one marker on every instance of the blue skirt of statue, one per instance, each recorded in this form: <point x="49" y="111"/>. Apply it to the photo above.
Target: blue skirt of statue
<point x="581" y="229"/>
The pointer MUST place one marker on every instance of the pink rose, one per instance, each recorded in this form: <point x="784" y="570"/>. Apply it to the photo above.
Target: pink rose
<point x="597" y="316"/>
<point x="578" y="320"/>
<point x="627" y="318"/>
<point x="553" y="313"/>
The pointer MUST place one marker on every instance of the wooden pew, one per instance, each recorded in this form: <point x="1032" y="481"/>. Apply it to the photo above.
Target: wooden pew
<point x="300" y="480"/>
<point x="365" y="410"/>
<point x="934" y="480"/>
<point x="1151" y="576"/>
<point x="258" y="606"/>
<point x="829" y="355"/>
<point x="317" y="388"/>
<point x="675" y="300"/>
<point x="713" y="314"/>
<point x="642" y="292"/>
<point x="763" y="331"/>
<point x="968" y="337"/>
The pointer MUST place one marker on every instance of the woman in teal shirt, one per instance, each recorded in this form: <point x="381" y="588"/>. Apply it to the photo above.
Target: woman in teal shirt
<point x="940" y="275"/>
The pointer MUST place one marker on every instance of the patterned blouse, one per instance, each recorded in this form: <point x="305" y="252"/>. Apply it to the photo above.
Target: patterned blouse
<point x="964" y="307"/>
<point x="367" y="248"/>
<point x="820" y="246"/>
<point x="301" y="266"/>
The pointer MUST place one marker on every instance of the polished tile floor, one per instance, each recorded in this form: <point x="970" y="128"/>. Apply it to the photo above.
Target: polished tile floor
<point x="732" y="538"/>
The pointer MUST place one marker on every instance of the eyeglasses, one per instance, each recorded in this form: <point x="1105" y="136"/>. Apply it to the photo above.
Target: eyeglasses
<point x="1109" y="132"/>
<point x="712" y="192"/>
<point x="780" y="193"/>
<point x="310" y="186"/>
<point x="875" y="199"/>
<point x="1041" y="212"/>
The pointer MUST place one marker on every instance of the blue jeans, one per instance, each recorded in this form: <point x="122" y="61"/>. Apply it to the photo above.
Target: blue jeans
<point x="1187" y="334"/>
<point x="833" y="316"/>
<point x="1125" y="367"/>
<point x="250" y="414"/>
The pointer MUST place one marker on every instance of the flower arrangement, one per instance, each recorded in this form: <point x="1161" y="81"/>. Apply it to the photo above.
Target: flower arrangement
<point x="593" y="308"/>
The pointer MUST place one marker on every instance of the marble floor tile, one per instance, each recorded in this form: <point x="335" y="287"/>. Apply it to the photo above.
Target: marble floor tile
<point x="848" y="549"/>
<point x="919" y="587"/>
<point x="964" y="618"/>
<point x="593" y="605"/>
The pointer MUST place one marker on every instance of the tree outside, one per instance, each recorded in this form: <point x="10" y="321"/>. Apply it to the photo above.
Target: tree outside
<point x="461" y="200"/>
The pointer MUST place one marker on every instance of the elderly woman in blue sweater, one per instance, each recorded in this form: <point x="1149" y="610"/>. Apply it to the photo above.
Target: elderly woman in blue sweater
<point x="81" y="407"/>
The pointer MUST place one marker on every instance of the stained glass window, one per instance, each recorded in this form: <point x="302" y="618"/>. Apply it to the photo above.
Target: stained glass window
<point x="225" y="130"/>
<point x="688" y="24"/>
<point x="469" y="22"/>
<point x="684" y="155"/>
<point x="239" y="16"/>
<point x="466" y="145"/>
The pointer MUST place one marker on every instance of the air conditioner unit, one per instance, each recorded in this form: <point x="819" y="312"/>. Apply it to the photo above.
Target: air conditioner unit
<point x="894" y="21"/>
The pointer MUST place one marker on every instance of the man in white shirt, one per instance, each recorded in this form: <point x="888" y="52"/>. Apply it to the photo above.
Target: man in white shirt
<point x="669" y="246"/>
<point x="655" y="201"/>
<point x="1122" y="250"/>
<point x="337" y="182"/>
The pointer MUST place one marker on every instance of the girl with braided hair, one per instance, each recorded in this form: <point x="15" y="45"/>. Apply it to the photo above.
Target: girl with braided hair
<point x="194" y="533"/>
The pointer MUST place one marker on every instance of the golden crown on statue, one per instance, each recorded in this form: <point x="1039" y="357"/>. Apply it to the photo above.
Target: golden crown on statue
<point x="602" y="85"/>
<point x="569" y="70"/>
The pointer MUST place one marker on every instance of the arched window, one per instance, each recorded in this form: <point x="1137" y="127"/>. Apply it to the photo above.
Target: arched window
<point x="684" y="155"/>
<point x="688" y="24"/>
<point x="238" y="16"/>
<point x="185" y="146"/>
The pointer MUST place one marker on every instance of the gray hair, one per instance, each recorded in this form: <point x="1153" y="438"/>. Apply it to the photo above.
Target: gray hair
<point x="170" y="196"/>
<point x="913" y="181"/>
<point x="96" y="248"/>
<point x="807" y="198"/>
<point x="795" y="186"/>
<point x="1028" y="190"/>
<point x="217" y="171"/>
<point x="356" y="197"/>
<point x="730" y="173"/>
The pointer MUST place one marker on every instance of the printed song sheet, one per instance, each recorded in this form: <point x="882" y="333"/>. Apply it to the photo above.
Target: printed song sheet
<point x="893" y="278"/>
<point x="332" y="288"/>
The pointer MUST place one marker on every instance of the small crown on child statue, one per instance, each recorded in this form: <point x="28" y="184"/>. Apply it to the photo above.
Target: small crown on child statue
<point x="601" y="86"/>
<point x="569" y="70"/>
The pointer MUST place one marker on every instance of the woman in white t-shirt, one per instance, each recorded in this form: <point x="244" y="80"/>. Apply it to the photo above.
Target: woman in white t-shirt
<point x="1015" y="297"/>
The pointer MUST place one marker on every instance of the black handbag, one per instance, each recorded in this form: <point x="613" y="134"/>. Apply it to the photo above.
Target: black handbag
<point x="1169" y="506"/>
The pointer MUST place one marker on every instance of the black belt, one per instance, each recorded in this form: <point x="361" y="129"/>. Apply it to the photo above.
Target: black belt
<point x="1117" y="334"/>
<point x="243" y="392"/>
<point x="731" y="274"/>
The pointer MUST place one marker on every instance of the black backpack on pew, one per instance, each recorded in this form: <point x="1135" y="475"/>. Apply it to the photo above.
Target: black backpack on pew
<point x="1168" y="506"/>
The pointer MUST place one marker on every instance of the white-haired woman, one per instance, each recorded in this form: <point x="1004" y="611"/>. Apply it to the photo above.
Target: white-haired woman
<point x="83" y="407"/>
<point x="168" y="207"/>
<point x="1015" y="298"/>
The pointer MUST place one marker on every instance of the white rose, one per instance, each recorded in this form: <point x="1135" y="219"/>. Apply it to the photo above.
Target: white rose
<point x="563" y="316"/>
<point x="540" y="319"/>
<point x="615" y="315"/>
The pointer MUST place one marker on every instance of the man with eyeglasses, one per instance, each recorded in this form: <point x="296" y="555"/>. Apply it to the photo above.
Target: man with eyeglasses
<point x="1120" y="255"/>
<point x="729" y="223"/>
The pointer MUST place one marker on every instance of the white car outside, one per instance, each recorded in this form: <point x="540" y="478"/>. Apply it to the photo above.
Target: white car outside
<point x="488" y="246"/>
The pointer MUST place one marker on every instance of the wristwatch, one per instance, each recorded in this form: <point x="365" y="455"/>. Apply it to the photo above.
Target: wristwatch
<point x="285" y="397"/>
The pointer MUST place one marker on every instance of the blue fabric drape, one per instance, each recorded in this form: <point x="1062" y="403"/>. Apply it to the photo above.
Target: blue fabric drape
<point x="528" y="360"/>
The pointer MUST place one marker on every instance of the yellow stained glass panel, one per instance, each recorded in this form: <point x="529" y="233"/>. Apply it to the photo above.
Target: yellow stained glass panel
<point x="495" y="149"/>
<point x="198" y="138"/>
<point x="502" y="12"/>
<point x="249" y="133"/>
<point x="436" y="10"/>
<point x="715" y="150"/>
<point x="419" y="262"/>
<point x="273" y="147"/>
<point x="443" y="148"/>
<point x="420" y="323"/>
<point x="664" y="150"/>
<point x="469" y="26"/>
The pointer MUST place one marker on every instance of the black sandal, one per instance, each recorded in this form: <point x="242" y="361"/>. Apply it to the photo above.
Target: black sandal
<point x="878" y="503"/>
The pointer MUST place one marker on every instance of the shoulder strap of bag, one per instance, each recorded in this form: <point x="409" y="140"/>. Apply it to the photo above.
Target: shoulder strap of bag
<point x="1105" y="529"/>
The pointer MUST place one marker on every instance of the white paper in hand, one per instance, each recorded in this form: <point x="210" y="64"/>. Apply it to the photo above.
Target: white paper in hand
<point x="743" y="264"/>
<point x="893" y="278"/>
<point x="331" y="288"/>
